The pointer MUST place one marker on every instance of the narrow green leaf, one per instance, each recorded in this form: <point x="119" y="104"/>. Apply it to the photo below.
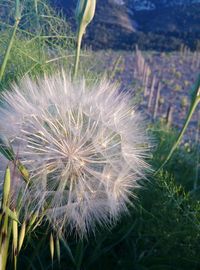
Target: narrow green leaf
<point x="6" y="189"/>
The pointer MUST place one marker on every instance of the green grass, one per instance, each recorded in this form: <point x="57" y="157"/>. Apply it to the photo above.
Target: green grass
<point x="162" y="232"/>
<point x="43" y="42"/>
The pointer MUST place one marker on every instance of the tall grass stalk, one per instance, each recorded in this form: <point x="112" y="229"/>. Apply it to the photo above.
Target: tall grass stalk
<point x="11" y="41"/>
<point x="116" y="64"/>
<point x="151" y="92"/>
<point x="157" y="101"/>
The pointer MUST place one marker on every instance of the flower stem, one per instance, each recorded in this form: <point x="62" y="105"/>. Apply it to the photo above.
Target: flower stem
<point x="197" y="154"/>
<point x="78" y="48"/>
<point x="194" y="103"/>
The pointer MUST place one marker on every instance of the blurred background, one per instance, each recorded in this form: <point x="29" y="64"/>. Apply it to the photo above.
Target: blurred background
<point x="162" y="25"/>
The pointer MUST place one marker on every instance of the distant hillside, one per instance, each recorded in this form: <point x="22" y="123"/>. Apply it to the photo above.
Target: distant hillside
<point x="155" y="24"/>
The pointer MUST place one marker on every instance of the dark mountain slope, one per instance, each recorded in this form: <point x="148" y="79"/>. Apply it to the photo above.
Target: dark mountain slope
<point x="121" y="26"/>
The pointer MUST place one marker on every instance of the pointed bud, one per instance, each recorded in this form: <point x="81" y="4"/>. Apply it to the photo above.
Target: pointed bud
<point x="51" y="243"/>
<point x="85" y="11"/>
<point x="15" y="235"/>
<point x="21" y="236"/>
<point x="196" y="91"/>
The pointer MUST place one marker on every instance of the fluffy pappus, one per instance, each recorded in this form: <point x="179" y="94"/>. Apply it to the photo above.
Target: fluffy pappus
<point x="84" y="146"/>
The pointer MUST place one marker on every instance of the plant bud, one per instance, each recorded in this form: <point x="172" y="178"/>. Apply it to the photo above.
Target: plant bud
<point x="21" y="236"/>
<point x="51" y="243"/>
<point x="85" y="11"/>
<point x="15" y="235"/>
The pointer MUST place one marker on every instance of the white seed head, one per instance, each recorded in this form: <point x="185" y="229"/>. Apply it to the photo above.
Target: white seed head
<point x="85" y="148"/>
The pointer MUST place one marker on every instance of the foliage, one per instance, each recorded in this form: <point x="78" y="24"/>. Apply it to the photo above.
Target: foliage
<point x="183" y="163"/>
<point x="43" y="41"/>
<point x="162" y="232"/>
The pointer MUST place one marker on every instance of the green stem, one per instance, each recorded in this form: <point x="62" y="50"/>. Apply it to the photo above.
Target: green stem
<point x="193" y="106"/>
<point x="78" y="49"/>
<point x="6" y="56"/>
<point x="197" y="155"/>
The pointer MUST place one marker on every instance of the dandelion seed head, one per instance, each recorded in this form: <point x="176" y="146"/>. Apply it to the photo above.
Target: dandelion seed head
<point x="84" y="146"/>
